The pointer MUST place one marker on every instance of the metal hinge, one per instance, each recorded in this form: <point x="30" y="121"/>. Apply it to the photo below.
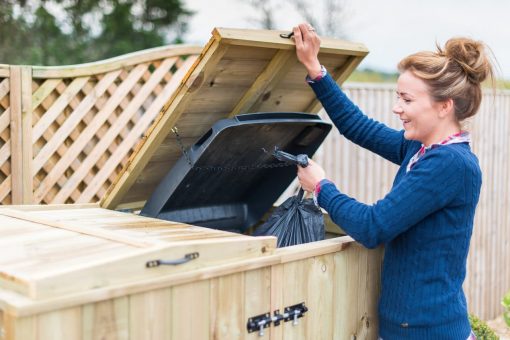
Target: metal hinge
<point x="262" y="321"/>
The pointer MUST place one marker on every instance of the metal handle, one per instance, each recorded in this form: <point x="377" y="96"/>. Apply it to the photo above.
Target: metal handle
<point x="287" y="35"/>
<point x="186" y="258"/>
<point x="301" y="160"/>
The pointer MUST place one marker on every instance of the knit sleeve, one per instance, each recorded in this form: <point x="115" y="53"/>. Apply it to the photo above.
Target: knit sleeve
<point x="431" y="185"/>
<point x="356" y="126"/>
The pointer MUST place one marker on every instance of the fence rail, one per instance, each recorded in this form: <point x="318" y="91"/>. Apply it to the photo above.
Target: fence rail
<point x="368" y="177"/>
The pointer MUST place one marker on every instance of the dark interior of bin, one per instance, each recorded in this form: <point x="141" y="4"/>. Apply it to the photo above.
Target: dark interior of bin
<point x="227" y="180"/>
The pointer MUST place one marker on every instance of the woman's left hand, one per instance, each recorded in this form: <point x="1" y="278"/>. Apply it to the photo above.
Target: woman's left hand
<point x="310" y="176"/>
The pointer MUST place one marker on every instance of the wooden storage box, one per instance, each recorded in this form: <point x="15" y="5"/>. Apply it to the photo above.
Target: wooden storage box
<point x="79" y="272"/>
<point x="92" y="272"/>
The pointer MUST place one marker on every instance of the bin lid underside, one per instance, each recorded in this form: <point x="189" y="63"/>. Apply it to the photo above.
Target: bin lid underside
<point x="229" y="179"/>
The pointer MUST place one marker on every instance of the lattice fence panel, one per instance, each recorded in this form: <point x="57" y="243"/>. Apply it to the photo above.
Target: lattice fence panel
<point x="5" y="149"/>
<point x="85" y="128"/>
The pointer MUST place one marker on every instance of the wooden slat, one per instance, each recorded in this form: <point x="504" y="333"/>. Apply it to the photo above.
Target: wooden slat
<point x="226" y="311"/>
<point x="47" y="87"/>
<point x="150" y="315"/>
<point x="114" y="64"/>
<point x="191" y="311"/>
<point x="272" y="39"/>
<point x="5" y="187"/>
<point x="106" y="320"/>
<point x="60" y="281"/>
<point x="5" y="119"/>
<point x="16" y="141"/>
<point x="26" y="127"/>
<point x="4" y="87"/>
<point x="5" y="152"/>
<point x="4" y="70"/>
<point x="90" y="232"/>
<point x="164" y="123"/>
<point x="88" y="133"/>
<point x="265" y="82"/>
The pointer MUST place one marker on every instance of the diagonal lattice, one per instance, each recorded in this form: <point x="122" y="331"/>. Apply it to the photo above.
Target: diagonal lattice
<point x="66" y="132"/>
<point x="5" y="150"/>
<point x="85" y="128"/>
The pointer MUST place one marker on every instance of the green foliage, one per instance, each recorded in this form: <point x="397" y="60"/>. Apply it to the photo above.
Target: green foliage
<point x="481" y="330"/>
<point x="506" y="303"/>
<point x="58" y="32"/>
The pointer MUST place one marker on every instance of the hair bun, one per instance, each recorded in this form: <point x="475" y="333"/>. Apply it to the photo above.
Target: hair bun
<point x="471" y="57"/>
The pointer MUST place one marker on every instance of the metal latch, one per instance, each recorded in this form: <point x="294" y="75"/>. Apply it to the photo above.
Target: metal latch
<point x="295" y="312"/>
<point x="186" y="258"/>
<point x="259" y="322"/>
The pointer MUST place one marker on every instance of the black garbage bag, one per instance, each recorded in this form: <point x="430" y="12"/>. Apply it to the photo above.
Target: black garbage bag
<point x="296" y="221"/>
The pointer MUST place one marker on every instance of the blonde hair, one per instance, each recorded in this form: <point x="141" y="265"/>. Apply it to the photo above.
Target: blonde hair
<point x="455" y="72"/>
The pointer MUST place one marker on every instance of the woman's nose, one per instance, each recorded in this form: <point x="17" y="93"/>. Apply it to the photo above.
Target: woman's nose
<point x="397" y="109"/>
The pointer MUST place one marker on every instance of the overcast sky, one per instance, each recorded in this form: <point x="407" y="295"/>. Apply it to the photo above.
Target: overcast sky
<point x="391" y="29"/>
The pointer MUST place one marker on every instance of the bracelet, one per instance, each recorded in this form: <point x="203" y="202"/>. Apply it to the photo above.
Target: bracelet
<point x="318" y="78"/>
<point x="315" y="193"/>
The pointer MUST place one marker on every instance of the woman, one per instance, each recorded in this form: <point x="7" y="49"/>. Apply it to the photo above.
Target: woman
<point x="426" y="220"/>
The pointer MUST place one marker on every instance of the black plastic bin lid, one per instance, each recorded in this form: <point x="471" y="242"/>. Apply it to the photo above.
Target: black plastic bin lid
<point x="227" y="180"/>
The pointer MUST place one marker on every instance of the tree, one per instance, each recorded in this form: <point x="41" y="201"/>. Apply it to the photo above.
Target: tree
<point x="56" y="32"/>
<point x="326" y="16"/>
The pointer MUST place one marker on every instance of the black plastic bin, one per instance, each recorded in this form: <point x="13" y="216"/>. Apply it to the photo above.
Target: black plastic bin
<point x="229" y="179"/>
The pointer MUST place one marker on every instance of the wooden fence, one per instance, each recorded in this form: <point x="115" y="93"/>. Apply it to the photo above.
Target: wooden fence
<point x="368" y="177"/>
<point x="66" y="132"/>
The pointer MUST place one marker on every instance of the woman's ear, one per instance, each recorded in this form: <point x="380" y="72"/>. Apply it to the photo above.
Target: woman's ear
<point x="446" y="108"/>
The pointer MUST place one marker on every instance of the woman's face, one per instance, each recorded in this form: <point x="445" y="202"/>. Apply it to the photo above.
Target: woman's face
<point x="419" y="114"/>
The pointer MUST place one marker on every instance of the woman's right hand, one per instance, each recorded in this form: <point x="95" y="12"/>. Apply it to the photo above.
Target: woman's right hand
<point x="307" y="48"/>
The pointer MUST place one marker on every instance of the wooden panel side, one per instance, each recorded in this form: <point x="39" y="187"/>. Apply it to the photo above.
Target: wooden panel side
<point x="60" y="325"/>
<point x="191" y="305"/>
<point x="150" y="315"/>
<point x="20" y="328"/>
<point x="106" y="320"/>
<point x="356" y="281"/>
<point x="227" y="311"/>
<point x="56" y="325"/>
<point x="257" y="301"/>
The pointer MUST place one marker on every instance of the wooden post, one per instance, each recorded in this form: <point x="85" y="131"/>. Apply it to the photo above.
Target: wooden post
<point x="21" y="127"/>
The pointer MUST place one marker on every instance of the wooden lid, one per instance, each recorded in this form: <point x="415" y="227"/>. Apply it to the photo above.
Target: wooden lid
<point x="238" y="71"/>
<point x="50" y="252"/>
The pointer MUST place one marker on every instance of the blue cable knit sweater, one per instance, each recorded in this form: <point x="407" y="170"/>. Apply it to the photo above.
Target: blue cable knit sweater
<point x="425" y="223"/>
